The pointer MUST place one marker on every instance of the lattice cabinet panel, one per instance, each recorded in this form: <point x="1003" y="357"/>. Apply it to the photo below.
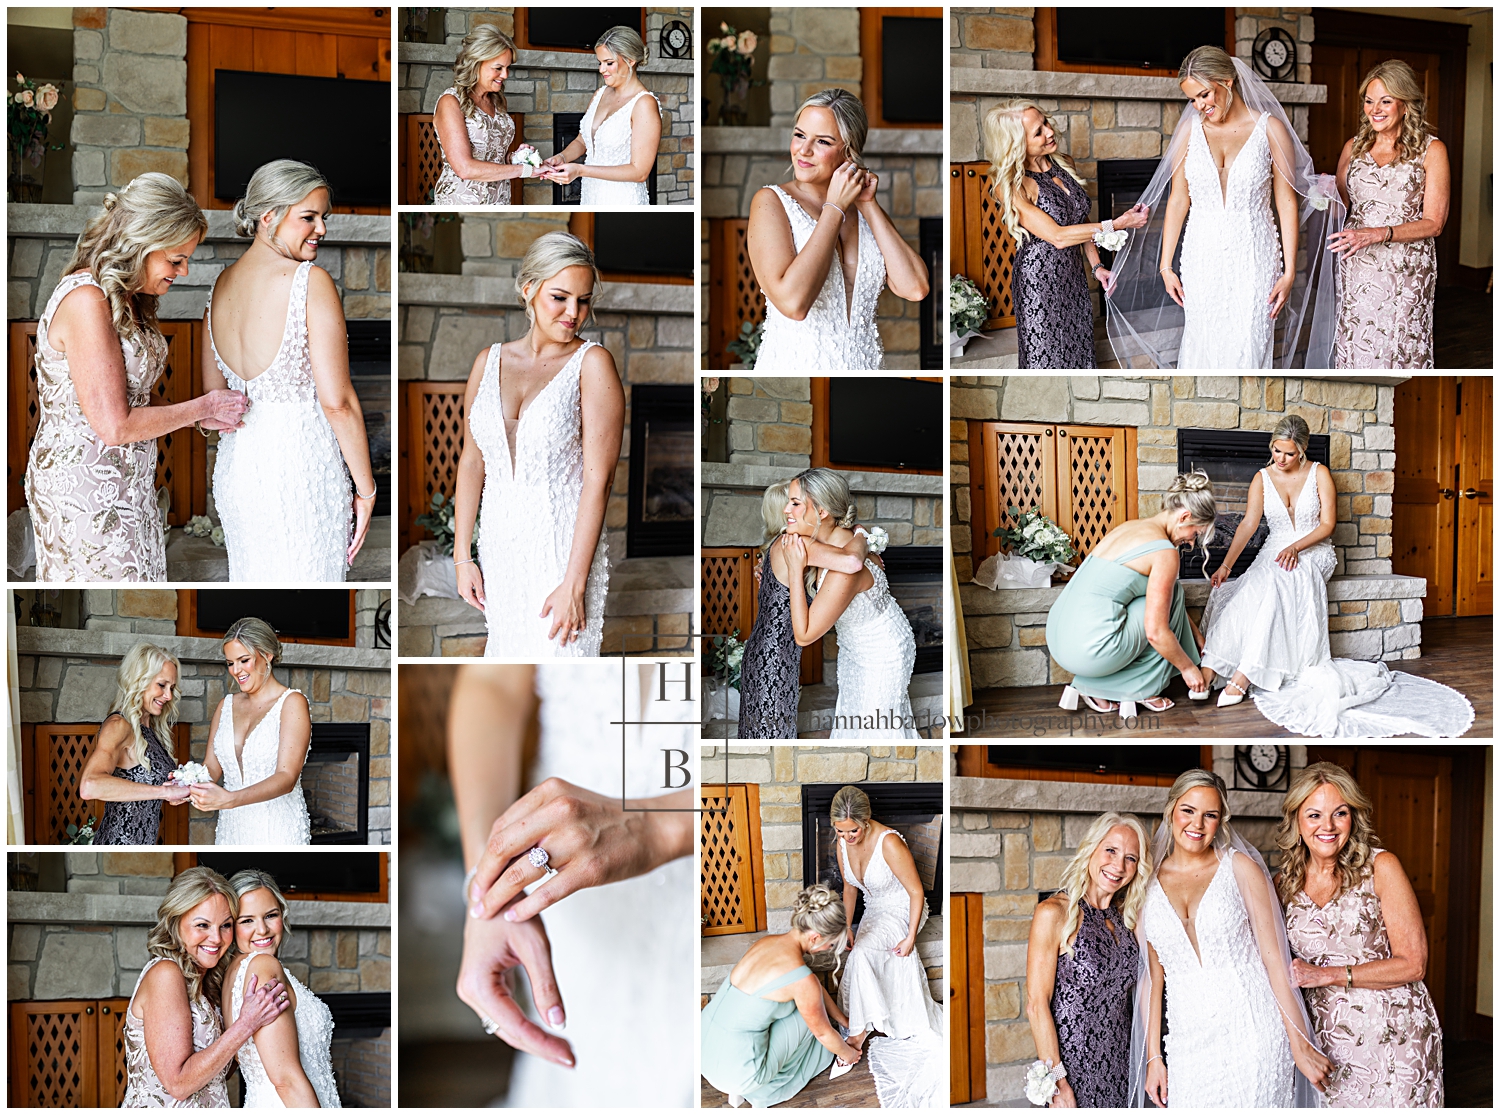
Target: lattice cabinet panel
<point x="979" y="245"/>
<point x="422" y="156"/>
<point x="729" y="599"/>
<point x="1083" y="478"/>
<point x="734" y="297"/>
<point x="60" y="752"/>
<point x="733" y="880"/>
<point x="54" y="1054"/>
<point x="432" y="443"/>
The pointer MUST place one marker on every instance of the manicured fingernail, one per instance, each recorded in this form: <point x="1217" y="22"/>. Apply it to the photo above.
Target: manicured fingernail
<point x="555" y="1016"/>
<point x="566" y="1062"/>
<point x="476" y="910"/>
<point x="475" y="894"/>
<point x="510" y="915"/>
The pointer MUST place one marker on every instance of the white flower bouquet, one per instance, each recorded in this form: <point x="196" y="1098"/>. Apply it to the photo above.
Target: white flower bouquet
<point x="1323" y="189"/>
<point x="968" y="310"/>
<point x="190" y="774"/>
<point x="879" y="539"/>
<point x="528" y="158"/>
<point x="201" y="526"/>
<point x="1037" y="546"/>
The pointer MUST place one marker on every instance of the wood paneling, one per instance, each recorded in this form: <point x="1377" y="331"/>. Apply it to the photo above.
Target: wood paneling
<point x="979" y="245"/>
<point x="1476" y="496"/>
<point x="734" y="297"/>
<point x="432" y="439"/>
<point x="421" y="157"/>
<point x="187" y="621"/>
<point x="581" y="225"/>
<point x="55" y="1056"/>
<point x="871" y="38"/>
<point x="732" y="885"/>
<point x="966" y="1051"/>
<point x="61" y="750"/>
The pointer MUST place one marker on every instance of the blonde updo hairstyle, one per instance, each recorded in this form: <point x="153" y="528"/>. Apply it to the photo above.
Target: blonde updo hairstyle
<point x="1401" y="82"/>
<point x="151" y="214"/>
<point x="819" y="909"/>
<point x="164" y="939"/>
<point x="624" y="42"/>
<point x="828" y="491"/>
<point x="1191" y="780"/>
<point x="1358" y="851"/>
<point x="137" y="670"/>
<point x="1194" y="492"/>
<point x="255" y="634"/>
<point x="1292" y="428"/>
<point x="848" y="116"/>
<point x="773" y="512"/>
<point x="1004" y="130"/>
<point x="548" y="254"/>
<point x="274" y="188"/>
<point x="1075" y="878"/>
<point x="251" y="879"/>
<point x="483" y="44"/>
<point x="1211" y="65"/>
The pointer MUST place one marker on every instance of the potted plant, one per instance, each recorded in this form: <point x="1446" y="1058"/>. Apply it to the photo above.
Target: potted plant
<point x="968" y="310"/>
<point x="732" y="57"/>
<point x="723" y="691"/>
<point x="28" y="118"/>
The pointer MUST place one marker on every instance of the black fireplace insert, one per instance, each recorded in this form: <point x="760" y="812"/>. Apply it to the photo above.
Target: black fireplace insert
<point x="565" y="127"/>
<point x="913" y="809"/>
<point x="359" y="1014"/>
<point x="661" y="518"/>
<point x="915" y="576"/>
<point x="336" y="783"/>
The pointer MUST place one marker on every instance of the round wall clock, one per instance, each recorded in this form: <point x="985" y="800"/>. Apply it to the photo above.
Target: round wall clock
<point x="1262" y="766"/>
<point x="1275" y="55"/>
<point x="676" y="40"/>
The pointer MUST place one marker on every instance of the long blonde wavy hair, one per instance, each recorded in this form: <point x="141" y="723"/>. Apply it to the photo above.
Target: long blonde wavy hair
<point x="1358" y="851"/>
<point x="164" y="939"/>
<point x="1075" y="879"/>
<point x="151" y="214"/>
<point x="773" y="512"/>
<point x="483" y="44"/>
<point x="137" y="670"/>
<point x="1005" y="148"/>
<point x="1401" y="82"/>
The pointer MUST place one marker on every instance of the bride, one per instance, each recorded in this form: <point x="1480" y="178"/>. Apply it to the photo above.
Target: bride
<point x="823" y="249"/>
<point x="1267" y="631"/>
<point x="1253" y="292"/>
<point x="884" y="986"/>
<point x="286" y="1063"/>
<point x="258" y="745"/>
<point x="540" y="499"/>
<point x="876" y="647"/>
<point x="282" y="480"/>
<point x="619" y="134"/>
<point x="1213" y="940"/>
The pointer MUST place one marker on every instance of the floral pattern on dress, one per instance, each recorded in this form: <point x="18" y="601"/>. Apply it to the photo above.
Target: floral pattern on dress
<point x="770" y="674"/>
<point x="490" y="138"/>
<point x="1386" y="1045"/>
<point x="1091" y="1002"/>
<point x="1054" y="318"/>
<point x="137" y="822"/>
<point x="1385" y="309"/>
<point x="143" y="1087"/>
<point x="609" y="145"/>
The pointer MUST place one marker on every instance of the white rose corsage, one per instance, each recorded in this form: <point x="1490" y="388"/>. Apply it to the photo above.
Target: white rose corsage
<point x="879" y="539"/>
<point x="190" y="774"/>
<point x="1041" y="1082"/>
<point x="1113" y="240"/>
<point x="525" y="155"/>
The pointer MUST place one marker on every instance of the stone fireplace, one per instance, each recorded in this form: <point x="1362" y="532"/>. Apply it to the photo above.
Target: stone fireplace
<point x="913" y="809"/>
<point x="335" y="781"/>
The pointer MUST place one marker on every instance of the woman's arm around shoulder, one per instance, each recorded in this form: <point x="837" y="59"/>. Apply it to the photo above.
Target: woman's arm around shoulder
<point x="276" y="1042"/>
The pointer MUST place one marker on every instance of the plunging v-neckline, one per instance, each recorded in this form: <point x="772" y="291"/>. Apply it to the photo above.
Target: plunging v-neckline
<point x="594" y="134"/>
<point x="512" y="443"/>
<point x="874" y="852"/>
<point x="1225" y="171"/>
<point x="239" y="748"/>
<point x="849" y="287"/>
<point x="1291" y="510"/>
<point x="1180" y="922"/>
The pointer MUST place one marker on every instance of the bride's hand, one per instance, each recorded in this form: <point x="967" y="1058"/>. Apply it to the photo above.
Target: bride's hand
<point x="795" y="552"/>
<point x="1312" y="1064"/>
<point x="210" y="796"/>
<point x="847" y="184"/>
<point x="1173" y="284"/>
<point x="904" y="948"/>
<point x="872" y="183"/>
<point x="470" y="583"/>
<point x="1288" y="558"/>
<point x="492" y="949"/>
<point x="565" y="605"/>
<point x="1156" y="1082"/>
<point x="1220" y="575"/>
<point x="564" y="173"/>
<point x="1279" y="293"/>
<point x="364" y="509"/>
<point x="589" y="840"/>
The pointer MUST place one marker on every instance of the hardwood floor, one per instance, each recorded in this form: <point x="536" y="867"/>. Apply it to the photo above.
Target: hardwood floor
<point x="1468" y="1073"/>
<point x="853" y="1089"/>
<point x="1462" y="328"/>
<point x="1455" y="651"/>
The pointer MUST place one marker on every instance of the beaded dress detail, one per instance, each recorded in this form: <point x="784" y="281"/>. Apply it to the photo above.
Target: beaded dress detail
<point x="144" y="1088"/>
<point x="280" y="483"/>
<point x="282" y="820"/>
<point x="314" y="1038"/>
<point x="838" y="334"/>
<point x="770" y="672"/>
<point x="528" y="512"/>
<point x="93" y="506"/>
<point x="1054" y="318"/>
<point x="1091" y="1001"/>
<point x="608" y="144"/>
<point x="137" y="822"/>
<point x="877" y="651"/>
<point x="490" y="139"/>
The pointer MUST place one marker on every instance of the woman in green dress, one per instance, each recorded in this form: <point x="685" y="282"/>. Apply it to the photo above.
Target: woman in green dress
<point x="1120" y="625"/>
<point x="764" y="1044"/>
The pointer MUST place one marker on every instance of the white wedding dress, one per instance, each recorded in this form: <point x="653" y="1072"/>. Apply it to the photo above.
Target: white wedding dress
<point x="282" y="820"/>
<point x="876" y="654"/>
<point x="838" y="333"/>
<point x="1226" y="1044"/>
<point x="608" y="144"/>
<point x="280" y="484"/>
<point x="1231" y="257"/>
<point x="314" y="1038"/>
<point x="528" y="513"/>
<point x="625" y="954"/>
<point x="882" y="991"/>
<point x="1272" y="625"/>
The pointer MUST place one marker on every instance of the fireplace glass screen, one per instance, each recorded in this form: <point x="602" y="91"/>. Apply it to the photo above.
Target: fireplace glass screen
<point x="660" y="522"/>
<point x="913" y="809"/>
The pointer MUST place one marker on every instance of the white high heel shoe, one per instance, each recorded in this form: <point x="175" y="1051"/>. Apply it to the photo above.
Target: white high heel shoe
<point x="1070" y="698"/>
<point x="1226" y="698"/>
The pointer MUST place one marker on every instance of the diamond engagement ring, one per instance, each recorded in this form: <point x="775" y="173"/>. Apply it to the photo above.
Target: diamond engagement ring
<point x="538" y="857"/>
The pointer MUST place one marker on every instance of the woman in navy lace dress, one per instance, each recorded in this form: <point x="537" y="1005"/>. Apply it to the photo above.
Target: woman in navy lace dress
<point x="1045" y="208"/>
<point x="1081" y="964"/>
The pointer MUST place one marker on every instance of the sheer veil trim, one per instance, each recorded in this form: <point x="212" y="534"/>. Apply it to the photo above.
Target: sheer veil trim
<point x="1288" y="997"/>
<point x="1145" y="325"/>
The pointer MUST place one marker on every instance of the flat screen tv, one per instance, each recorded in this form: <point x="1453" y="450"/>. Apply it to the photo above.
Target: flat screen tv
<point x="885" y="423"/>
<point x="646" y="243"/>
<point x="261" y="117"/>
<point x="913" y="59"/>
<point x="568" y="28"/>
<point x="305" y="872"/>
<point x="318" y="613"/>
<point x="1120" y="37"/>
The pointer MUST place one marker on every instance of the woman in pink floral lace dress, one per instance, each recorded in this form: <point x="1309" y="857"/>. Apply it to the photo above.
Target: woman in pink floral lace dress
<point x="1359" y="947"/>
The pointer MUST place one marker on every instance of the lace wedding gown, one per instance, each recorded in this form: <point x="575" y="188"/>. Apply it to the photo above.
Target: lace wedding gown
<point x="624" y="954"/>
<point x="876" y="654"/>
<point x="528" y="513"/>
<point x="1272" y="625"/>
<point x="838" y="334"/>
<point x="280" y="483"/>
<point x="1231" y="256"/>
<point x="882" y="991"/>
<point x="490" y="139"/>
<point x="608" y="144"/>
<point x="1226" y="1045"/>
<point x="278" y="822"/>
<point x="314" y="1037"/>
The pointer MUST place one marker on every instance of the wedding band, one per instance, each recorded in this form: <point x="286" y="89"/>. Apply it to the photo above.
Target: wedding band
<point x="489" y="1024"/>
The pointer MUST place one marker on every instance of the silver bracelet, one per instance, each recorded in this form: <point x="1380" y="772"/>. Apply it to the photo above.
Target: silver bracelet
<point x="360" y="495"/>
<point x="1156" y="1058"/>
<point x="840" y="208"/>
<point x="1108" y="226"/>
<point x="462" y="561"/>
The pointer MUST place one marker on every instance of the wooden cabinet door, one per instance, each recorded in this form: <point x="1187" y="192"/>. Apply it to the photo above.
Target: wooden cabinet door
<point x="1095" y="481"/>
<point x="112" y="1074"/>
<point x="1010" y="463"/>
<point x="60" y="751"/>
<point x="981" y="247"/>
<point x="174" y="818"/>
<point x="432" y="440"/>
<point x="54" y="1054"/>
<point x="733" y="887"/>
<point x="1475" y="501"/>
<point x="728" y="602"/>
<point x="966" y="1056"/>
<point x="1425" y="504"/>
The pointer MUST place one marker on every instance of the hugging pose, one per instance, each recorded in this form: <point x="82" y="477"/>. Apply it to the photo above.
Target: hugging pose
<point x="1303" y="989"/>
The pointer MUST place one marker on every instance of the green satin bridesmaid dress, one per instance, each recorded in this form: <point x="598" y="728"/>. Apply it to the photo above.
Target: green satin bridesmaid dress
<point x="1097" y="629"/>
<point x="758" y="1048"/>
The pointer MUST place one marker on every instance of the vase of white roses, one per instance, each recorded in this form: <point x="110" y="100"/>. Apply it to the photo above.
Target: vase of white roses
<point x="722" y="693"/>
<point x="1035" y="549"/>
<point x="968" y="310"/>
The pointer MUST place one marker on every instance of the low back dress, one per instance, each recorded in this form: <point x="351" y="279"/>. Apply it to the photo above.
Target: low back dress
<point x="280" y="484"/>
<point x="137" y="822"/>
<point x="770" y="672"/>
<point x="93" y="505"/>
<point x="143" y="1087"/>
<point x="758" y="1048"/>
<point x="282" y="820"/>
<point x="1054" y="316"/>
<point x="314" y="1039"/>
<point x="608" y="144"/>
<point x="490" y="140"/>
